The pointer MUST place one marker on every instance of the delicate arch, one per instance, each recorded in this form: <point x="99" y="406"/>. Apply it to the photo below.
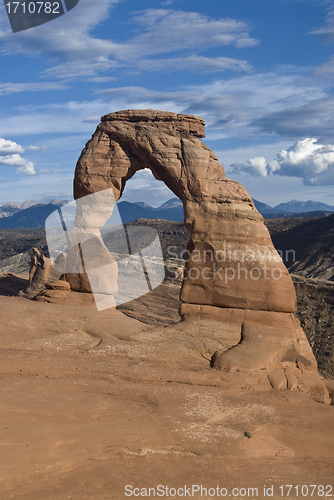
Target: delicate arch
<point x="217" y="211"/>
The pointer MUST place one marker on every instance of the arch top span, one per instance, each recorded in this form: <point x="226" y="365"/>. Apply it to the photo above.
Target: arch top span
<point x="169" y="144"/>
<point x="189" y="124"/>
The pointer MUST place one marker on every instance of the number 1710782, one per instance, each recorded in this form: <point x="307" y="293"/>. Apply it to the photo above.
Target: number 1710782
<point x="33" y="7"/>
<point x="308" y="491"/>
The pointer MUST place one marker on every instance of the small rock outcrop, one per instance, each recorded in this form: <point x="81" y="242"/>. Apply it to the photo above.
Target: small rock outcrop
<point x="233" y="273"/>
<point x="39" y="271"/>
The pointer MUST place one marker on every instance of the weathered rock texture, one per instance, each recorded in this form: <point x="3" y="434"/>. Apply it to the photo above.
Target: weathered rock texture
<point x="233" y="273"/>
<point x="39" y="270"/>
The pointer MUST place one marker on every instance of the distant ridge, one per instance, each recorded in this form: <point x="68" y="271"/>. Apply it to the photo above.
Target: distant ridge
<point x="33" y="214"/>
<point x="11" y="208"/>
<point x="262" y="207"/>
<point x="143" y="205"/>
<point x="293" y="206"/>
<point x="172" y="203"/>
<point x="171" y="210"/>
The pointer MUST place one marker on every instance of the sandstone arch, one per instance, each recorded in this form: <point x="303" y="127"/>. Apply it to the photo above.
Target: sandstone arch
<point x="221" y="217"/>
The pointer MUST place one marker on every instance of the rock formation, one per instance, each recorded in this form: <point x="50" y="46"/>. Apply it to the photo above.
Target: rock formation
<point x="233" y="273"/>
<point x="39" y="270"/>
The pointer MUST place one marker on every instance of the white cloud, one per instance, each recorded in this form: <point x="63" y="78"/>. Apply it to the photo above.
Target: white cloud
<point x="78" y="68"/>
<point x="12" y="88"/>
<point x="326" y="32"/>
<point x="74" y="52"/>
<point x="326" y="69"/>
<point x="306" y="159"/>
<point x="195" y="63"/>
<point x="170" y="30"/>
<point x="142" y="95"/>
<point x="230" y="106"/>
<point x="67" y="39"/>
<point x="27" y="169"/>
<point x="37" y="148"/>
<point x="242" y="154"/>
<point x="254" y="166"/>
<point x="312" y="118"/>
<point x="144" y="187"/>
<point x="9" y="148"/>
<point x="15" y="160"/>
<point x="245" y="105"/>
<point x="91" y="119"/>
<point x="101" y="79"/>
<point x="10" y="155"/>
<point x="234" y="104"/>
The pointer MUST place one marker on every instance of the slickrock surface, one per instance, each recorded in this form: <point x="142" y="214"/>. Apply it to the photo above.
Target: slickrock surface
<point x="94" y="401"/>
<point x="234" y="275"/>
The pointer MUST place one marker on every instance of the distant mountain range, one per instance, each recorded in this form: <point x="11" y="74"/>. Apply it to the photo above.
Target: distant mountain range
<point x="11" y="208"/>
<point x="173" y="210"/>
<point x="293" y="207"/>
<point x="32" y="214"/>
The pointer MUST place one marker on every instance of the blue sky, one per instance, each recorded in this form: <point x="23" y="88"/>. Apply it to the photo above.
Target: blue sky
<point x="260" y="73"/>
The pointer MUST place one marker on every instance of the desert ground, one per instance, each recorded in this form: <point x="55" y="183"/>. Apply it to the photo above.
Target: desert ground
<point x="94" y="402"/>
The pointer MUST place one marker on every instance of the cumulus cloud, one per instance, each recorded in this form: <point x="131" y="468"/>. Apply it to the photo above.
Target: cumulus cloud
<point x="306" y="159"/>
<point x="15" y="160"/>
<point x="27" y="169"/>
<point x="10" y="155"/>
<point x="253" y="166"/>
<point x="9" y="147"/>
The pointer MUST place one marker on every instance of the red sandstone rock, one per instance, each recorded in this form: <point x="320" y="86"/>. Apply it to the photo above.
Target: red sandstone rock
<point x="58" y="285"/>
<point x="234" y="274"/>
<point x="219" y="213"/>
